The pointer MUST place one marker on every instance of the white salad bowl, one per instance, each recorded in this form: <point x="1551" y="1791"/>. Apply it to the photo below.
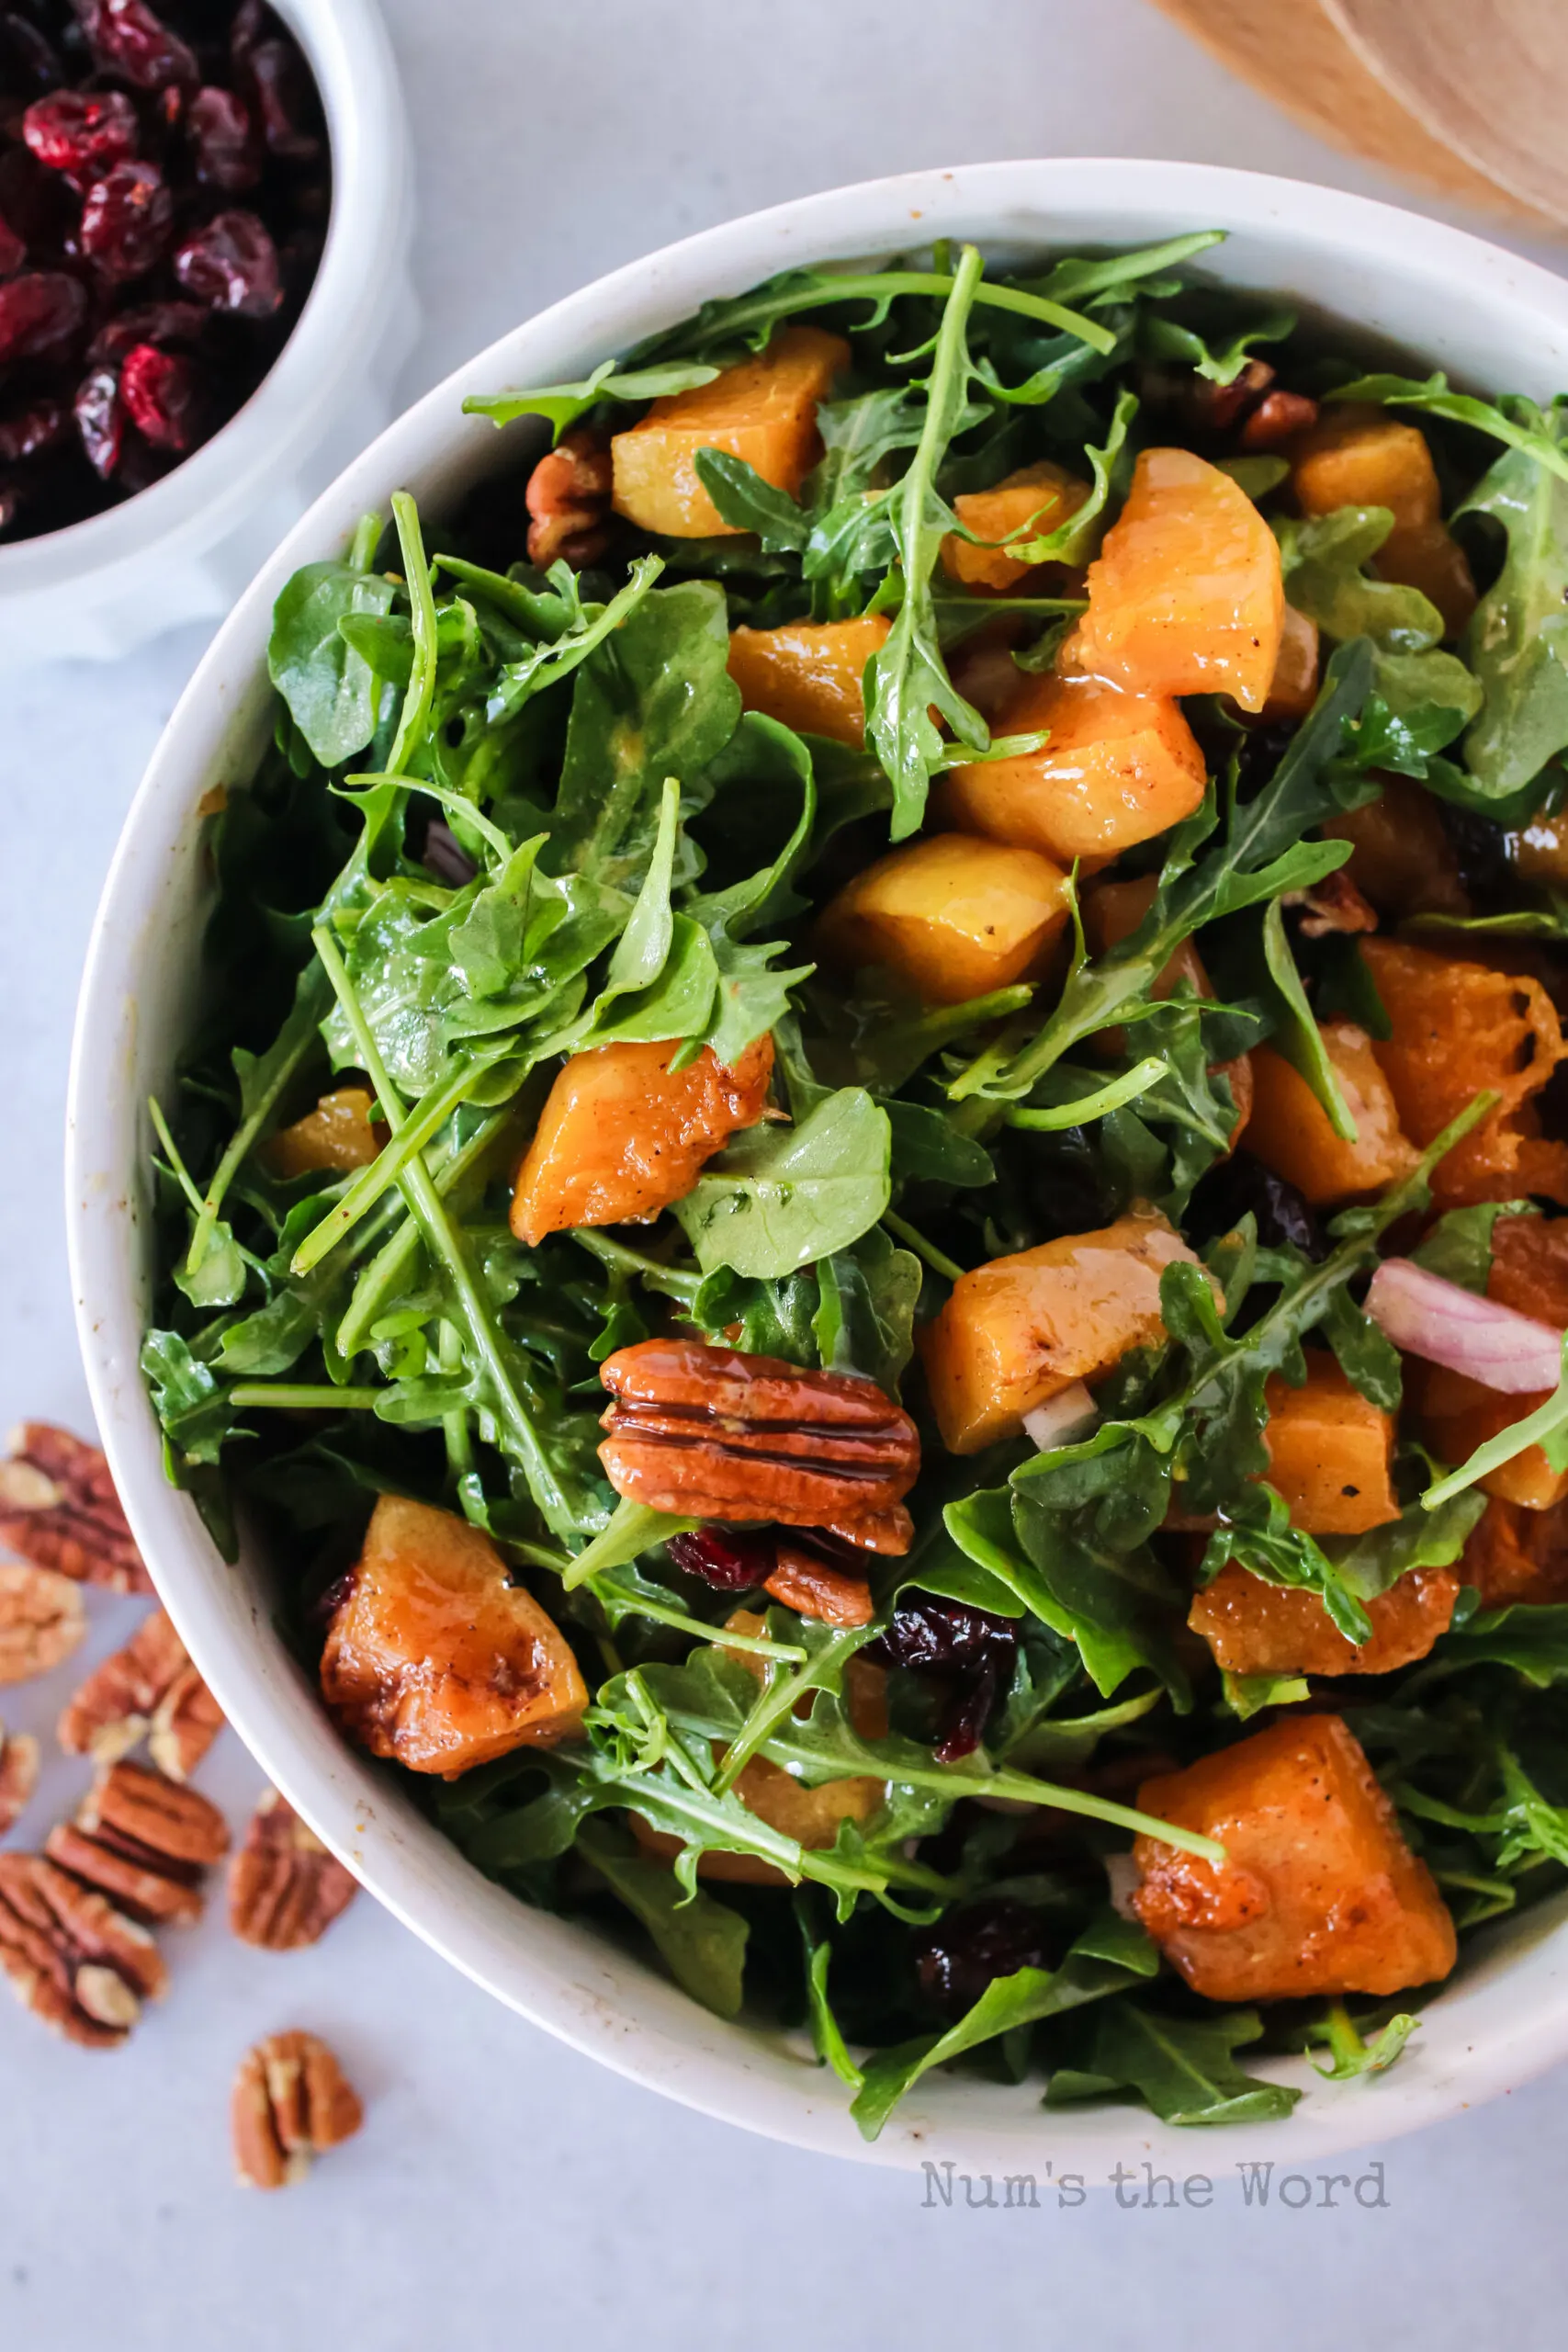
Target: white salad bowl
<point x="1444" y="298"/>
<point x="182" y="549"/>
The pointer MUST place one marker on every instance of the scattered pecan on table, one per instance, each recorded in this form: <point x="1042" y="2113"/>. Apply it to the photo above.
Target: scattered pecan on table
<point x="70" y="1957"/>
<point x="567" y="498"/>
<point x="19" y="1775"/>
<point x="285" y="1889"/>
<point x="290" y="2102"/>
<point x="42" y="1621"/>
<point x="59" y="1508"/>
<point x="147" y="1690"/>
<point x="713" y="1433"/>
<point x="143" y="1841"/>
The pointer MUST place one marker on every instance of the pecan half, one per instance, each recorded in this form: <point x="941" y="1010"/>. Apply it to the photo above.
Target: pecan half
<point x="1335" y="904"/>
<point x="59" y="1508"/>
<point x="810" y="1585"/>
<point x="149" y="1687"/>
<point x="70" y="1957"/>
<point x="19" y="1775"/>
<point x="144" y="1841"/>
<point x="285" y="1889"/>
<point x="290" y="2101"/>
<point x="710" y="1433"/>
<point x="568" y="500"/>
<point x="42" y="1621"/>
<point x="1277" y="419"/>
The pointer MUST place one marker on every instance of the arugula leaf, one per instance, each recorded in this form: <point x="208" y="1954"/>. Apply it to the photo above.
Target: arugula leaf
<point x="1459" y="1246"/>
<point x="1321" y="558"/>
<point x="1075" y="540"/>
<point x="1518" y="641"/>
<point x="780" y="1196"/>
<point x="1518" y="423"/>
<point x="1193" y="339"/>
<point x="328" y="686"/>
<point x="562" y="404"/>
<point x="701" y="1941"/>
<point x="750" y="503"/>
<point x="1185" y="2068"/>
<point x="1352" y="2057"/>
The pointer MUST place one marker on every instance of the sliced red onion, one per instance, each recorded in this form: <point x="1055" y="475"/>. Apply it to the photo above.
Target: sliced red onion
<point x="1425" y="1316"/>
<point x="1065" y="1417"/>
<point x="1124" y="1879"/>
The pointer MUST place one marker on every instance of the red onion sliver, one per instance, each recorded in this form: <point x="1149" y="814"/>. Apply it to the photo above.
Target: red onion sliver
<point x="1062" y="1417"/>
<point x="1425" y="1316"/>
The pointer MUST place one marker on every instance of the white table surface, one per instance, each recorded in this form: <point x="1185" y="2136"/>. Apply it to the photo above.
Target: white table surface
<point x="505" y="2189"/>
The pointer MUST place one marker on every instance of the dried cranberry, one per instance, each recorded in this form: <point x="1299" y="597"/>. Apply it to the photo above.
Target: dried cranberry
<point x="27" y="62"/>
<point x="28" y="431"/>
<point x="964" y="1725"/>
<point x="232" y="263"/>
<point x="13" y="249"/>
<point x="38" y="205"/>
<point x="82" y="132"/>
<point x="222" y="141"/>
<point x="1241" y="1186"/>
<point x="157" y="322"/>
<point x="39" y="311"/>
<point x="282" y="86"/>
<point x="10" y="503"/>
<point x="126" y="38"/>
<point x="927" y="1631"/>
<point x="125" y="219"/>
<point x="248" y="28"/>
<point x="969" y="1949"/>
<point x="100" y="420"/>
<point x="444" y="855"/>
<point x="161" y="393"/>
<point x="723" y="1557"/>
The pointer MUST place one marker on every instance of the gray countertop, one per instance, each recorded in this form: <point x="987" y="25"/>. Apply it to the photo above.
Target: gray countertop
<point x="505" y="2191"/>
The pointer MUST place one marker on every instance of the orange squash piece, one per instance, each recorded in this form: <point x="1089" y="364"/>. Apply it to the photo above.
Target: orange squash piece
<point x="952" y="917"/>
<point x="1529" y="1267"/>
<point x="1330" y="1452"/>
<point x="1318" y="1893"/>
<point x="1293" y="690"/>
<point x="1461" y="1028"/>
<point x="1186" y="596"/>
<point x="435" y="1659"/>
<point x="1358" y="455"/>
<point x="622" y="1135"/>
<point x="1016" y="1332"/>
<point x="764" y="410"/>
<point x="1401" y="857"/>
<point x="1456" y="1414"/>
<point x="807" y="674"/>
<point x="1289" y="1130"/>
<point x="336" y="1136"/>
<point x="1516" y="1556"/>
<point x="1257" y="1628"/>
<point x="1119" y="768"/>
<point x="1027" y="504"/>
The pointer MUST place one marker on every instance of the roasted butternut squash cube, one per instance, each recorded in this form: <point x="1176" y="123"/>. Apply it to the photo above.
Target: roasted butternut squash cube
<point x="622" y="1135"/>
<point x="1017" y="1331"/>
<point x="1358" y="455"/>
<point x="1257" y="1628"/>
<point x="1330" y="1452"/>
<point x="435" y="1659"/>
<point x="1459" y="1029"/>
<point x="953" y="918"/>
<point x="1289" y="1130"/>
<point x="808" y="674"/>
<point x="1112" y="911"/>
<point x="1318" y="1891"/>
<point x="1401" y="857"/>
<point x="1027" y="504"/>
<point x="1538" y="851"/>
<point x="337" y="1135"/>
<point x="1514" y="1556"/>
<point x="1186" y="596"/>
<point x="1529" y="1267"/>
<point x="1293" y="690"/>
<point x="764" y="410"/>
<point x="1456" y="1414"/>
<point x="1119" y="768"/>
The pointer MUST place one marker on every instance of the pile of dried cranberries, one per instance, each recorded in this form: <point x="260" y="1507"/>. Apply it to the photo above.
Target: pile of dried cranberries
<point x="165" y="186"/>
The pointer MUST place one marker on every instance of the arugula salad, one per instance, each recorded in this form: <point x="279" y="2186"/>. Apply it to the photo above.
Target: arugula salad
<point x="869" y="1187"/>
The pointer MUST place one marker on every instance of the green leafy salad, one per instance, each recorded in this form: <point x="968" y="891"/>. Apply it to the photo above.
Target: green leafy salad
<point x="866" y="1189"/>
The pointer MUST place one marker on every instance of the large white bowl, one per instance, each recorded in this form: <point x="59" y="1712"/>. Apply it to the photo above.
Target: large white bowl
<point x="1452" y="302"/>
<point x="182" y="549"/>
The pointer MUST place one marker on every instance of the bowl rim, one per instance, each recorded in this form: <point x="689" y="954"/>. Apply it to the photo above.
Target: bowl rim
<point x="348" y="50"/>
<point x="577" y="1990"/>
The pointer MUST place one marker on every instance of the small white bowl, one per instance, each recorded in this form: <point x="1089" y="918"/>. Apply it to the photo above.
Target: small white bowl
<point x="1447" y="299"/>
<point x="182" y="549"/>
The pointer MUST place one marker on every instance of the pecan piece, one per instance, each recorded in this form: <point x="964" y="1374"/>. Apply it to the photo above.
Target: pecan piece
<point x="1277" y="419"/>
<point x="149" y="1687"/>
<point x="42" y="1621"/>
<point x="70" y="1957"/>
<point x="568" y="500"/>
<point x="290" y="2101"/>
<point x="144" y="1841"/>
<point x="59" y="1508"/>
<point x="807" y="1583"/>
<point x="285" y="1889"/>
<point x="1335" y="904"/>
<point x="710" y="1433"/>
<point x="19" y="1775"/>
